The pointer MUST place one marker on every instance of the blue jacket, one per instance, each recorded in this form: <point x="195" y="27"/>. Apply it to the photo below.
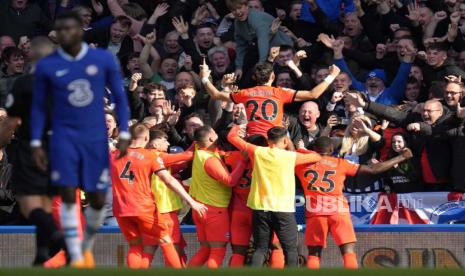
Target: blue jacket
<point x="328" y="7"/>
<point x="391" y="95"/>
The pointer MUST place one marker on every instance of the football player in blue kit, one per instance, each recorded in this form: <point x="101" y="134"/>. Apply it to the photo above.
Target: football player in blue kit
<point x="71" y="82"/>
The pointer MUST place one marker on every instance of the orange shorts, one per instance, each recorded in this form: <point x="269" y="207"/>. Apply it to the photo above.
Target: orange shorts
<point x="170" y="224"/>
<point x="340" y="226"/>
<point x="143" y="227"/>
<point x="214" y="226"/>
<point x="241" y="227"/>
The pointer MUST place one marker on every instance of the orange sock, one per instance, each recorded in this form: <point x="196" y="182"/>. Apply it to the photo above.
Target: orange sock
<point x="216" y="257"/>
<point x="237" y="260"/>
<point x="146" y="261"/>
<point x="200" y="257"/>
<point x="277" y="258"/>
<point x="59" y="260"/>
<point x="170" y="255"/>
<point x="350" y="260"/>
<point x="134" y="257"/>
<point x="313" y="262"/>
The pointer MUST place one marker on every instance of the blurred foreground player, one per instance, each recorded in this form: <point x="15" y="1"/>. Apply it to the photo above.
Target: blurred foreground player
<point x="31" y="185"/>
<point x="74" y="78"/>
<point x="327" y="209"/>
<point x="133" y="202"/>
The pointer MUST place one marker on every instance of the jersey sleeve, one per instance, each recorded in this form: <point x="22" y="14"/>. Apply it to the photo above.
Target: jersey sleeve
<point x="349" y="168"/>
<point x="238" y="97"/>
<point x="304" y="158"/>
<point x="286" y="95"/>
<point x="170" y="159"/>
<point x="239" y="143"/>
<point x="115" y="83"/>
<point x="39" y="105"/>
<point x="218" y="171"/>
<point x="157" y="164"/>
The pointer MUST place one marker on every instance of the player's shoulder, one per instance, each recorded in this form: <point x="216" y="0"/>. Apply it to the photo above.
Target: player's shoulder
<point x="280" y="89"/>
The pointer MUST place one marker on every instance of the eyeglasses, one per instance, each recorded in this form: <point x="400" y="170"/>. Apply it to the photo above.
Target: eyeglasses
<point x="429" y="111"/>
<point x="452" y="92"/>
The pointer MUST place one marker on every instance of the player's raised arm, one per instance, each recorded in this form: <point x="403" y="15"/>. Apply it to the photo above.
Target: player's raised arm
<point x="235" y="139"/>
<point x="115" y="83"/>
<point x="170" y="158"/>
<point x="386" y="165"/>
<point x="211" y="89"/>
<point x="317" y="91"/>
<point x="174" y="185"/>
<point x="215" y="169"/>
<point x="307" y="157"/>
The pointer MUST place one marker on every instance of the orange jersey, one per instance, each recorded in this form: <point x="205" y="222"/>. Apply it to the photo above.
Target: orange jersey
<point x="264" y="106"/>
<point x="240" y="191"/>
<point x="323" y="182"/>
<point x="131" y="185"/>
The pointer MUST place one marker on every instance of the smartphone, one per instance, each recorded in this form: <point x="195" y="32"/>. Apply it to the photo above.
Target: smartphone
<point x="343" y="121"/>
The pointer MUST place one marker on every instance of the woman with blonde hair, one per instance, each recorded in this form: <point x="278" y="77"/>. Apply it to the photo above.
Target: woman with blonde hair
<point x="357" y="137"/>
<point x="360" y="145"/>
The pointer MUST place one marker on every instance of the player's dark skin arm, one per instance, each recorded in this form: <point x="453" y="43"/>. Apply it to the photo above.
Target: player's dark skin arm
<point x="386" y="165"/>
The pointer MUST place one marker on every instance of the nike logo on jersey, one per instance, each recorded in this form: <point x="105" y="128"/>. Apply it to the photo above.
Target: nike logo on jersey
<point x="61" y="73"/>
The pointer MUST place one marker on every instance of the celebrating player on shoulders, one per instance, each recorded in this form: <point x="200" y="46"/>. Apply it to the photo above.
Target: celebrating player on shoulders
<point x="264" y="104"/>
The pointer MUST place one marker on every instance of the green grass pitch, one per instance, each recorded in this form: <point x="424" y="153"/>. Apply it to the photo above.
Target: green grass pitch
<point x="227" y="272"/>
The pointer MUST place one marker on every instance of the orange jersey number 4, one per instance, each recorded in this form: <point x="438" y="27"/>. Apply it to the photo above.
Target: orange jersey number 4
<point x="127" y="173"/>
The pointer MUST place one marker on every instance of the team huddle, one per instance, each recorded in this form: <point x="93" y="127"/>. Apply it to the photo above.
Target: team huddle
<point x="239" y="192"/>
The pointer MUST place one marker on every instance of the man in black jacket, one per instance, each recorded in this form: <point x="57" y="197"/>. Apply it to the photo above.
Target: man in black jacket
<point x="427" y="149"/>
<point x="453" y="129"/>
<point x="307" y="128"/>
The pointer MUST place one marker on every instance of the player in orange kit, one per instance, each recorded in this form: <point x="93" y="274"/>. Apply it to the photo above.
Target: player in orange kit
<point x="167" y="201"/>
<point x="240" y="214"/>
<point x="264" y="104"/>
<point x="211" y="185"/>
<point x="133" y="202"/>
<point x="327" y="209"/>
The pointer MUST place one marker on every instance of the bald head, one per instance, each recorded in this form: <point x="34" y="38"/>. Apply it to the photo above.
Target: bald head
<point x="5" y="42"/>
<point x="308" y="114"/>
<point x="41" y="46"/>
<point x="432" y="111"/>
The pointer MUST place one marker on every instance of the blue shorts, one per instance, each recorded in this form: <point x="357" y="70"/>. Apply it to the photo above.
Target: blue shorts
<point x="82" y="164"/>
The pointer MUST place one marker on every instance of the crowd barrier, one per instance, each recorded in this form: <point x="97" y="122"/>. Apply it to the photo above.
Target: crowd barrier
<point x="433" y="246"/>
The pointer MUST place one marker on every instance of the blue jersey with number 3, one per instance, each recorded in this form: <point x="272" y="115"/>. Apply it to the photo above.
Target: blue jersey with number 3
<point x="76" y="86"/>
